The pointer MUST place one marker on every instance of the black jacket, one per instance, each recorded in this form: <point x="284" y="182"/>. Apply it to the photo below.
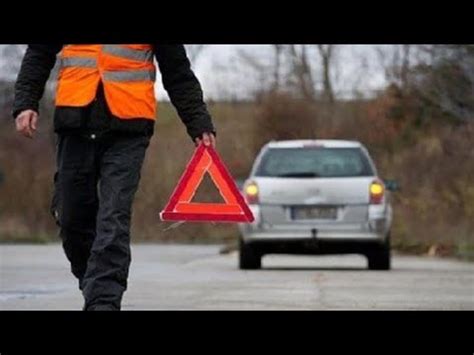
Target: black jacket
<point x="178" y="78"/>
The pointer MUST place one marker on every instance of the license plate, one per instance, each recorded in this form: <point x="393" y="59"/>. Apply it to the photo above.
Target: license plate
<point x="313" y="212"/>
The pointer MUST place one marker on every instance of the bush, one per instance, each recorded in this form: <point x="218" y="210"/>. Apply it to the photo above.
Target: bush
<point x="431" y="160"/>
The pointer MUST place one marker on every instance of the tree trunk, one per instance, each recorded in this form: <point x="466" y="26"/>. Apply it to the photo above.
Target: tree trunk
<point x="326" y="52"/>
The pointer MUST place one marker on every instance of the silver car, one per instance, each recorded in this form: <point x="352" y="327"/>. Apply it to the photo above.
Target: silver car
<point x="316" y="197"/>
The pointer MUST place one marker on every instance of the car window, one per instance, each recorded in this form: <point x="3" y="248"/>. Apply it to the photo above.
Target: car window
<point x="314" y="162"/>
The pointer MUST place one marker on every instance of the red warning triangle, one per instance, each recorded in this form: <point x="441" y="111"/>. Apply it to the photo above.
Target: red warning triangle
<point x="180" y="208"/>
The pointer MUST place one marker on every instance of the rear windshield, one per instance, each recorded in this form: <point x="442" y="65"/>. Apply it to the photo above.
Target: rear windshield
<point x="314" y="162"/>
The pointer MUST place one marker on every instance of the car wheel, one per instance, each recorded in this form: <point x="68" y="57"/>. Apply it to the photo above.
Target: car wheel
<point x="380" y="258"/>
<point x="249" y="257"/>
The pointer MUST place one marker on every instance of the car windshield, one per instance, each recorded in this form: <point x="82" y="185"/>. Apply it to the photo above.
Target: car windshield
<point x="314" y="162"/>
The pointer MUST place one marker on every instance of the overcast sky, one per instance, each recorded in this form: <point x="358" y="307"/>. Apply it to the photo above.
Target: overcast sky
<point x="225" y="75"/>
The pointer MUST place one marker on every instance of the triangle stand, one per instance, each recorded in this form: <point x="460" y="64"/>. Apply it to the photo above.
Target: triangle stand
<point x="180" y="208"/>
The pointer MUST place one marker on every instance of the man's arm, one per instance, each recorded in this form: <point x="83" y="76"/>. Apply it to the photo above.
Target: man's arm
<point x="184" y="91"/>
<point x="35" y="69"/>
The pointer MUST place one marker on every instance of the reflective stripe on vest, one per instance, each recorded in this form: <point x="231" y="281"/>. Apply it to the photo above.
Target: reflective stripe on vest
<point x="82" y="62"/>
<point x="130" y="75"/>
<point x="127" y="71"/>
<point x="128" y="53"/>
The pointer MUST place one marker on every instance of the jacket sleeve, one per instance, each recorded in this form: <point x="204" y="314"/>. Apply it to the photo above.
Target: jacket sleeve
<point x="183" y="89"/>
<point x="35" y="69"/>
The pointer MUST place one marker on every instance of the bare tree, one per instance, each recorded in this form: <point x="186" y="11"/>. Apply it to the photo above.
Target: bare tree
<point x="406" y="50"/>
<point x="446" y="80"/>
<point x="261" y="72"/>
<point x="327" y="53"/>
<point x="298" y="69"/>
<point x="278" y="51"/>
<point x="396" y="61"/>
<point x="301" y="71"/>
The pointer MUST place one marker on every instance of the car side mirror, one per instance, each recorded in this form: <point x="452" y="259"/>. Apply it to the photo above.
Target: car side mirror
<point x="391" y="185"/>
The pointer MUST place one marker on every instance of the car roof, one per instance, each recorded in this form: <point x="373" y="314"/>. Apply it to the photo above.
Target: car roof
<point x="327" y="143"/>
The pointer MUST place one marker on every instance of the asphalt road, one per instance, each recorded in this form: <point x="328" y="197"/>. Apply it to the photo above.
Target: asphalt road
<point x="198" y="277"/>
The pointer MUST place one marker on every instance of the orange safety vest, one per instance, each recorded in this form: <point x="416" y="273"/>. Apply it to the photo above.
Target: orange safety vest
<point x="127" y="72"/>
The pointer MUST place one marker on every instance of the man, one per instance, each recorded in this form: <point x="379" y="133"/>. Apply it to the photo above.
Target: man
<point x="104" y="118"/>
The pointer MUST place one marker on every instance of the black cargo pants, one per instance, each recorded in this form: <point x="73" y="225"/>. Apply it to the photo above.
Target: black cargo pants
<point x="95" y="184"/>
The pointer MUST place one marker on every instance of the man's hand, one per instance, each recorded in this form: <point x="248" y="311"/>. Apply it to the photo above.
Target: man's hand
<point x="208" y="139"/>
<point x="26" y="123"/>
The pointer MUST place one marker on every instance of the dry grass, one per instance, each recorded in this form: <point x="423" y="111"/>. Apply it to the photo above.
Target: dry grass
<point x="433" y="211"/>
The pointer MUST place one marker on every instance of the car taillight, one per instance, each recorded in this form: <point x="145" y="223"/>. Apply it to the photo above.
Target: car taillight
<point x="376" y="190"/>
<point x="251" y="193"/>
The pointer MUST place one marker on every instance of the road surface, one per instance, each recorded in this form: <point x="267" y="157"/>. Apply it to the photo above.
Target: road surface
<point x="36" y="277"/>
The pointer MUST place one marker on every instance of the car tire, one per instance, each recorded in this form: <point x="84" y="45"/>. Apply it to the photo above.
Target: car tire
<point x="249" y="257"/>
<point x="380" y="258"/>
